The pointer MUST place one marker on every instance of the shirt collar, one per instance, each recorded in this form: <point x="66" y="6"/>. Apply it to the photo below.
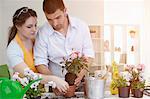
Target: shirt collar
<point x="72" y="24"/>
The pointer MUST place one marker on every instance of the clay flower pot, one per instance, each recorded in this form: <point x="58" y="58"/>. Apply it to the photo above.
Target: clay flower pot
<point x="138" y="93"/>
<point x="124" y="92"/>
<point x="84" y="89"/>
<point x="70" y="91"/>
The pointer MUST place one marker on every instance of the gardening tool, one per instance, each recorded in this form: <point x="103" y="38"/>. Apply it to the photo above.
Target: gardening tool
<point x="10" y="89"/>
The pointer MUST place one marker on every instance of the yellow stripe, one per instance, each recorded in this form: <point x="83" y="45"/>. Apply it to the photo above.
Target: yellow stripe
<point x="28" y="55"/>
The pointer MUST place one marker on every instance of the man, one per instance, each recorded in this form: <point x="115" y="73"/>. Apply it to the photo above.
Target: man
<point x="57" y="37"/>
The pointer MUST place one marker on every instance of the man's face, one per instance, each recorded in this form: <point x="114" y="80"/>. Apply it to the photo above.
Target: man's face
<point x="56" y="19"/>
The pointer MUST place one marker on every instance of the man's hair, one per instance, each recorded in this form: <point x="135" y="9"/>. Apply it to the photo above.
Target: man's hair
<point x="50" y="6"/>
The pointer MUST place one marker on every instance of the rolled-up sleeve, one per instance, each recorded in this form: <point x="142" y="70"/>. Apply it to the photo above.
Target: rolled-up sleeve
<point x="87" y="43"/>
<point x="41" y="50"/>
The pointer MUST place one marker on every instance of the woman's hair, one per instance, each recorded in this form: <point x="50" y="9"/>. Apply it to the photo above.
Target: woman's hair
<point x="50" y="6"/>
<point x="19" y="18"/>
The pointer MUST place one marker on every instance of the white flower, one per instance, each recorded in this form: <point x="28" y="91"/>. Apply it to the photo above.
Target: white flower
<point x="30" y="73"/>
<point x="126" y="75"/>
<point x="35" y="76"/>
<point x="24" y="81"/>
<point x="27" y="72"/>
<point x="34" y="85"/>
<point x="128" y="83"/>
<point x="15" y="77"/>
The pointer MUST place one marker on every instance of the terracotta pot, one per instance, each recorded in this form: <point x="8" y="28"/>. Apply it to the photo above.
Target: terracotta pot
<point x="70" y="91"/>
<point x="57" y="92"/>
<point x="138" y="93"/>
<point x="84" y="89"/>
<point x="124" y="92"/>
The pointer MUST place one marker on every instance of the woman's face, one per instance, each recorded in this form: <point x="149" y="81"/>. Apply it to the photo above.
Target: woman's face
<point x="29" y="29"/>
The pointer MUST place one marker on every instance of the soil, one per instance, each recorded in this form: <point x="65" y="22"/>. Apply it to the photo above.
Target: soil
<point x="70" y="78"/>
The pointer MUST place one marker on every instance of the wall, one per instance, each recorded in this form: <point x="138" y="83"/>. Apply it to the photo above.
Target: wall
<point x="123" y="11"/>
<point x="90" y="11"/>
<point x="1" y="34"/>
<point x="145" y="38"/>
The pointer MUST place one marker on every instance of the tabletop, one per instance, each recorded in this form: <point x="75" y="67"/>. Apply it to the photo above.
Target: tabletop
<point x="80" y="95"/>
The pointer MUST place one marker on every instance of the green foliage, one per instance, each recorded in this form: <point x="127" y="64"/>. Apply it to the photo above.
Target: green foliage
<point x="120" y="82"/>
<point x="138" y="85"/>
<point x="32" y="93"/>
<point x="76" y="65"/>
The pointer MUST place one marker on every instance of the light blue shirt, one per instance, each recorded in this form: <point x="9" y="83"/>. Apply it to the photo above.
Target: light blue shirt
<point x="15" y="54"/>
<point x="51" y="46"/>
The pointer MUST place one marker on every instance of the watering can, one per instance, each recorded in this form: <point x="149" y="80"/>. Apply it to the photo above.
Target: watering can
<point x="94" y="88"/>
<point x="10" y="89"/>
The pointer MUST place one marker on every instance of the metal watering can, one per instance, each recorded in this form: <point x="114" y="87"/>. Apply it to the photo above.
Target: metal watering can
<point x="94" y="88"/>
<point x="10" y="89"/>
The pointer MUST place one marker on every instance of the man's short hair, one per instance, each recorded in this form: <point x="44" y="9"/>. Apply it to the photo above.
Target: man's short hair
<point x="50" y="6"/>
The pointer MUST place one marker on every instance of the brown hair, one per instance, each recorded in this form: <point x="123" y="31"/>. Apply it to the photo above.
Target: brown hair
<point x="19" y="18"/>
<point x="50" y="6"/>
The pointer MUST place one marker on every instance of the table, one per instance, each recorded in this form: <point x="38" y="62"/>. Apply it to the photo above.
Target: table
<point x="80" y="95"/>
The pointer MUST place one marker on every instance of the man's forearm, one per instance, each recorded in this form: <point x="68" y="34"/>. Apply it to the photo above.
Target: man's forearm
<point x="43" y="69"/>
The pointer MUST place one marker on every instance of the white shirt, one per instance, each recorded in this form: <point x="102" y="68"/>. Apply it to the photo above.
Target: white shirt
<point x="52" y="45"/>
<point x="14" y="54"/>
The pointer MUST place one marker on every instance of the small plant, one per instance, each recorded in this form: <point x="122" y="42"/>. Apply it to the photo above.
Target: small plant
<point x="137" y="81"/>
<point x="122" y="81"/>
<point x="74" y="64"/>
<point x="35" y="89"/>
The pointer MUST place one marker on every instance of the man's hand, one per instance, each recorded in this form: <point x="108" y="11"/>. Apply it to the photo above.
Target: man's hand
<point x="83" y="71"/>
<point x="78" y="81"/>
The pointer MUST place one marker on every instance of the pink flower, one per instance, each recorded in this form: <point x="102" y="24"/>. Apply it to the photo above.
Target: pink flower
<point x="140" y="67"/>
<point x="75" y="55"/>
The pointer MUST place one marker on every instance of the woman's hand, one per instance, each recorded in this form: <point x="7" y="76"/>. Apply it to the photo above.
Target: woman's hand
<point x="61" y="85"/>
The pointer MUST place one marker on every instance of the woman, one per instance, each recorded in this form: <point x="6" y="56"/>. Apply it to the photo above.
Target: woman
<point x="21" y="42"/>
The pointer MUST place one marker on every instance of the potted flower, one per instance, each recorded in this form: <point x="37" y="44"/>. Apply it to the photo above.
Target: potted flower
<point x="123" y="84"/>
<point x="35" y="90"/>
<point x="138" y="88"/>
<point x="73" y="64"/>
<point x="137" y="81"/>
